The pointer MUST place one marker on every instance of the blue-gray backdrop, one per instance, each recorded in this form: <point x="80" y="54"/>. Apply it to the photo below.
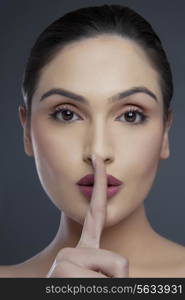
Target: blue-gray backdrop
<point x="28" y="219"/>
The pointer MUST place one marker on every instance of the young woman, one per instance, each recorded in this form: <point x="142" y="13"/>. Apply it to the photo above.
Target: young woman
<point x="98" y="82"/>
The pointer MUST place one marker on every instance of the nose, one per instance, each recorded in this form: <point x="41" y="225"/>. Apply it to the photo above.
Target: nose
<point x="99" y="142"/>
<point x="106" y="160"/>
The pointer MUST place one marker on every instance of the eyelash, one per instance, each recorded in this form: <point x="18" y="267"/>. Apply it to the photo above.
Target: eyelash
<point x="66" y="107"/>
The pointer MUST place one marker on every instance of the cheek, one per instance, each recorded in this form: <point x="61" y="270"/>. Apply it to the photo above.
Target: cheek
<point x="140" y="159"/>
<point x="54" y="151"/>
<point x="145" y="154"/>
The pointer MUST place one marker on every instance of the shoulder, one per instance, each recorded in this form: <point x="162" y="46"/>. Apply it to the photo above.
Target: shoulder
<point x="20" y="271"/>
<point x="180" y="260"/>
<point x="27" y="269"/>
<point x="174" y="259"/>
<point x="9" y="271"/>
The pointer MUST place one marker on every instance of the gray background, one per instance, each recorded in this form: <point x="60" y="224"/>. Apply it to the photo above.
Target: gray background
<point x="28" y="219"/>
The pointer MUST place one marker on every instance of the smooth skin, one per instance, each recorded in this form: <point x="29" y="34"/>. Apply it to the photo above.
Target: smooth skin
<point x="87" y="259"/>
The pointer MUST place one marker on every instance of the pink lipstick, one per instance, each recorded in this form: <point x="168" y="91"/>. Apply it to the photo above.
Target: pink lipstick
<point x="86" y="184"/>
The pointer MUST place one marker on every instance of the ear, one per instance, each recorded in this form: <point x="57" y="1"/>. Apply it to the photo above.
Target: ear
<point x="165" y="148"/>
<point x="26" y="132"/>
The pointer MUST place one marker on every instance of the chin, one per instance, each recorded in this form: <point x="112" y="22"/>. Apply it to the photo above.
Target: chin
<point x="113" y="220"/>
<point x="113" y="217"/>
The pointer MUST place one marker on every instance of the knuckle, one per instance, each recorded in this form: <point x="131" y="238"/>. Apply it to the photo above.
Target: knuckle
<point x="61" y="268"/>
<point x="125" y="262"/>
<point x="121" y="263"/>
<point x="63" y="253"/>
<point x="58" y="270"/>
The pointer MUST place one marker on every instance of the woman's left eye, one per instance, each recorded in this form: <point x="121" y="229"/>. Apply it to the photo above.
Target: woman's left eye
<point x="65" y="114"/>
<point x="134" y="116"/>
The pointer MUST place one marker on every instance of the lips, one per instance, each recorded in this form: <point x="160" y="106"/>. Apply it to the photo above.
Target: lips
<point x="86" y="185"/>
<point x="89" y="180"/>
<point x="87" y="190"/>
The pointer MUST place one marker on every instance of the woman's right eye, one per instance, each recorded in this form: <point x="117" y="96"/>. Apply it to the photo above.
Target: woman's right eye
<point x="63" y="115"/>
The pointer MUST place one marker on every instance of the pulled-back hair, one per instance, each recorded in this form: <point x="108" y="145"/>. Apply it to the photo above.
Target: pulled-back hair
<point x="91" y="22"/>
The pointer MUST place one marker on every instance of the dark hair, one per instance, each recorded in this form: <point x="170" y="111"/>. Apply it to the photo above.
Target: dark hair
<point x="91" y="22"/>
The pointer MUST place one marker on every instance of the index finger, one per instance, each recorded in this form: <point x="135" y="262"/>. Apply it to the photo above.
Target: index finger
<point x="96" y="213"/>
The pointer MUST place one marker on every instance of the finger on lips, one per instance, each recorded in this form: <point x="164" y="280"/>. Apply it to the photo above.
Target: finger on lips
<point x="96" y="212"/>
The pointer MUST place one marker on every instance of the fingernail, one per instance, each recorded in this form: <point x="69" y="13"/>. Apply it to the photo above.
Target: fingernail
<point x="94" y="160"/>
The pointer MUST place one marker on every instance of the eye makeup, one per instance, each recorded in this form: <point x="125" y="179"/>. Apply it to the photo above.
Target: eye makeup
<point x="130" y="112"/>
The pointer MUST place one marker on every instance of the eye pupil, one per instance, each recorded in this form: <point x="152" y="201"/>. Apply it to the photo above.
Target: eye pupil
<point x="66" y="113"/>
<point x="131" y="116"/>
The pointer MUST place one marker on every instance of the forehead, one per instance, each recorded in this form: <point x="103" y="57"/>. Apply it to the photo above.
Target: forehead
<point x="100" y="66"/>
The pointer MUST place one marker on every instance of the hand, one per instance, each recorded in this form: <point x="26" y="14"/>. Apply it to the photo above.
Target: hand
<point x="87" y="259"/>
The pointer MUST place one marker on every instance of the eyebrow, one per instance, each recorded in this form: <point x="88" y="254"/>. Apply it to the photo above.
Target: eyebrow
<point x="115" y="98"/>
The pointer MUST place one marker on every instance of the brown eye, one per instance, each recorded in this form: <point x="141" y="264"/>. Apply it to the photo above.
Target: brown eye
<point x="134" y="117"/>
<point x="130" y="116"/>
<point x="64" y="115"/>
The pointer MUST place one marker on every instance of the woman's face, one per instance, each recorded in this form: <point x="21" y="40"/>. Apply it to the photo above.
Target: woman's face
<point x="97" y="69"/>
